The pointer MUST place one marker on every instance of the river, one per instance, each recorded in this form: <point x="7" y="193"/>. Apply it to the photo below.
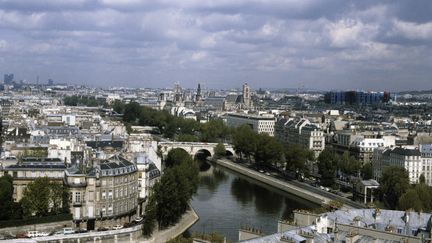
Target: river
<point x="226" y="201"/>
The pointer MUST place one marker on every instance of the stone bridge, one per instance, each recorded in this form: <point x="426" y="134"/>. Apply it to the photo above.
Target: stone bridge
<point x="194" y="148"/>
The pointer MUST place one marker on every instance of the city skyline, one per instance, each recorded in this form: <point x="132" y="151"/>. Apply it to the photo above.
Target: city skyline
<point x="323" y="45"/>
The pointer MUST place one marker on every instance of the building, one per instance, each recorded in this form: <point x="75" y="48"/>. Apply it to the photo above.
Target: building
<point x="353" y="225"/>
<point x="416" y="161"/>
<point x="246" y="98"/>
<point x="8" y="78"/>
<point x="148" y="174"/>
<point x="198" y="96"/>
<point x="260" y="124"/>
<point x="357" y="97"/>
<point x="301" y="132"/>
<point x="105" y="195"/>
<point x="362" y="148"/>
<point x="29" y="169"/>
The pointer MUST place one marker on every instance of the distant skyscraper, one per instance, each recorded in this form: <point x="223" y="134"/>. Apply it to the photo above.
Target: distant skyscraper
<point x="50" y="82"/>
<point x="198" y="95"/>
<point x="246" y="96"/>
<point x="8" y="78"/>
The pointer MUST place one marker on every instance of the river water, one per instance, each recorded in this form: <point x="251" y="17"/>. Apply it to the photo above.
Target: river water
<point x="226" y="201"/>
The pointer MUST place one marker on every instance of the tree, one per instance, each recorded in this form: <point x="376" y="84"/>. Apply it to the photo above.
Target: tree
<point x="169" y="197"/>
<point x="150" y="216"/>
<point x="367" y="171"/>
<point x="348" y="164"/>
<point x="118" y="106"/>
<point x="394" y="183"/>
<point x="176" y="156"/>
<point x="296" y="157"/>
<point x="268" y="150"/>
<point x="36" y="198"/>
<point x="422" y="179"/>
<point x="214" y="131"/>
<point x="187" y="138"/>
<point x="132" y="112"/>
<point x="410" y="200"/>
<point x="219" y="150"/>
<point x="244" y="141"/>
<point x="327" y="167"/>
<point x="56" y="197"/>
<point x="6" y="200"/>
<point x="175" y="188"/>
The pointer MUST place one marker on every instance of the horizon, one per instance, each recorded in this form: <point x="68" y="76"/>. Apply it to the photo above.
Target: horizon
<point x="331" y="45"/>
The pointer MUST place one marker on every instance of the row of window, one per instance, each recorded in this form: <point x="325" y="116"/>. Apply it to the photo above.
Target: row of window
<point x="117" y="193"/>
<point x="118" y="208"/>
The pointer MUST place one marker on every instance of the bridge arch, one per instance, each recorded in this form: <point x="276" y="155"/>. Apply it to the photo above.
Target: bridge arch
<point x="229" y="153"/>
<point x="203" y="153"/>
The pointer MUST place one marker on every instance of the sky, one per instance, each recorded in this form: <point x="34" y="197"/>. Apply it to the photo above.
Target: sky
<point x="314" y="44"/>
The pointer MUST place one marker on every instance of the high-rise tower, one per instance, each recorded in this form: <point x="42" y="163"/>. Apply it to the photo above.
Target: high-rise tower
<point x="198" y="94"/>
<point x="246" y="96"/>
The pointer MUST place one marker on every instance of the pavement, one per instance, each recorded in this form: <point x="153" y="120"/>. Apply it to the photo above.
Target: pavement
<point x="188" y="219"/>
<point x="304" y="186"/>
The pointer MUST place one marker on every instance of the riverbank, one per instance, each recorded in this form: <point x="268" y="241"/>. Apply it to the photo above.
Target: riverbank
<point x="309" y="195"/>
<point x="187" y="220"/>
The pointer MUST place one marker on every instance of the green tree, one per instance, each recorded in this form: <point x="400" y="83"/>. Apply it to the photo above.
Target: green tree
<point x="6" y="200"/>
<point x="118" y="106"/>
<point x="245" y="141"/>
<point x="268" y="150"/>
<point x="367" y="171"/>
<point x="348" y="164"/>
<point x="214" y="131"/>
<point x="132" y="112"/>
<point x="187" y="138"/>
<point x="219" y="150"/>
<point x="169" y="199"/>
<point x="422" y="179"/>
<point x="150" y="216"/>
<point x="410" y="200"/>
<point x="56" y="197"/>
<point x="327" y="164"/>
<point x="394" y="183"/>
<point x="36" y="197"/>
<point x="296" y="157"/>
<point x="425" y="194"/>
<point x="176" y="156"/>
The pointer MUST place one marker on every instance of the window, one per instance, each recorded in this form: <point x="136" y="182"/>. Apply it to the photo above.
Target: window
<point x="77" y="197"/>
<point x="91" y="196"/>
<point x="103" y="195"/>
<point x="110" y="194"/>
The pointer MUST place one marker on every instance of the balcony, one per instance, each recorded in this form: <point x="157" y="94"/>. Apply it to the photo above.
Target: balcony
<point x="77" y="203"/>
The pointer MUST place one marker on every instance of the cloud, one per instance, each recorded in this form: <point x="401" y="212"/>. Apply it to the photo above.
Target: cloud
<point x="321" y="44"/>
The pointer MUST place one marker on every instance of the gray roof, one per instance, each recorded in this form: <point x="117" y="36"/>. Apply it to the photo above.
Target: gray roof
<point x="406" y="152"/>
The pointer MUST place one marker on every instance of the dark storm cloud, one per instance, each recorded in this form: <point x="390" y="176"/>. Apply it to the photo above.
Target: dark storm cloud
<point x="282" y="43"/>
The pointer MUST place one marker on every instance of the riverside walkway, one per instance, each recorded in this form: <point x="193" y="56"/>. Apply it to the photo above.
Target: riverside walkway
<point x="299" y="189"/>
<point x="187" y="220"/>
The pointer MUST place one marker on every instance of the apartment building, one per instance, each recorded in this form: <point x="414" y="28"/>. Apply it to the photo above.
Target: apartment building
<point x="409" y="158"/>
<point x="301" y="132"/>
<point x="26" y="171"/>
<point x="105" y="195"/>
<point x="259" y="123"/>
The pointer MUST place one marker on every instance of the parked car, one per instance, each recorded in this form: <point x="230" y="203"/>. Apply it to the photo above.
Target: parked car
<point x="35" y="233"/>
<point x="117" y="227"/>
<point x="81" y="231"/>
<point x="102" y="229"/>
<point x="67" y="231"/>
<point x="21" y="235"/>
<point x="267" y="173"/>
